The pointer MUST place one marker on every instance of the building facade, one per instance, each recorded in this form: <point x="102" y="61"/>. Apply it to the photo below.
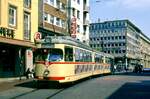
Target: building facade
<point x="120" y="38"/>
<point x="78" y="19"/>
<point x="145" y="50"/>
<point x="53" y="18"/>
<point x="17" y="35"/>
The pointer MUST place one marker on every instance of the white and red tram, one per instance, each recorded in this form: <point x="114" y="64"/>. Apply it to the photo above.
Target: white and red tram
<point x="65" y="59"/>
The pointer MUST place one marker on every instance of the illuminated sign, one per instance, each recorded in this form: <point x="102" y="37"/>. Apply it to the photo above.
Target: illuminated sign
<point x="37" y="36"/>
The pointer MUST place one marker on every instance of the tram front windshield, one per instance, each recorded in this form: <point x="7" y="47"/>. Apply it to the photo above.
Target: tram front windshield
<point x="49" y="55"/>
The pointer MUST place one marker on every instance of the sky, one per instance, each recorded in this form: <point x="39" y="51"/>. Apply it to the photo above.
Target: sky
<point x="136" y="11"/>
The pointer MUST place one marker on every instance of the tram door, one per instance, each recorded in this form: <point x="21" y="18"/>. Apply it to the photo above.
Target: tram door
<point x="68" y="53"/>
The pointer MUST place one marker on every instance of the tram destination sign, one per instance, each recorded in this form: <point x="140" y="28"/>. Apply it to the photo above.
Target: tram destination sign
<point x="6" y="32"/>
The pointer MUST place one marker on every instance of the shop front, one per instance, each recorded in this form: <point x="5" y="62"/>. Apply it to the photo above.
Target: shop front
<point x="13" y="56"/>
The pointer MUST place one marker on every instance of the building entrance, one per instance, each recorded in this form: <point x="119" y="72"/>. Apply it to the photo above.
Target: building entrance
<point x="7" y="60"/>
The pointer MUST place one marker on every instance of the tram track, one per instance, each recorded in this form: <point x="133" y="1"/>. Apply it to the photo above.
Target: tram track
<point x="35" y="90"/>
<point x="49" y="97"/>
<point x="23" y="94"/>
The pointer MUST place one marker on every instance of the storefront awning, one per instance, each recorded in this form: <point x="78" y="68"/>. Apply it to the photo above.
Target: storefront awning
<point x="16" y="42"/>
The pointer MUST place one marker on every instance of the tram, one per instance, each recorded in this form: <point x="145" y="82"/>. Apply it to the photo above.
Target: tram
<point x="64" y="59"/>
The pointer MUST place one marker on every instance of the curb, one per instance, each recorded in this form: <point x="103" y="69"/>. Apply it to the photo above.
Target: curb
<point x="2" y="80"/>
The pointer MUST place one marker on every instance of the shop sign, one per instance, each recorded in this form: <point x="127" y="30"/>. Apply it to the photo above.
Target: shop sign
<point x="29" y="59"/>
<point x="6" y="32"/>
<point x="37" y="36"/>
<point x="73" y="27"/>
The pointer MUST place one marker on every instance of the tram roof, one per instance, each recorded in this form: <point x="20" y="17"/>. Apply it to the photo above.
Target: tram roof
<point x="70" y="41"/>
<point x="64" y="40"/>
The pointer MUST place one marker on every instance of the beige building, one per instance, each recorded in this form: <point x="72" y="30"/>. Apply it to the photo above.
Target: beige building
<point x="18" y="23"/>
<point x="53" y="17"/>
<point x="145" y="50"/>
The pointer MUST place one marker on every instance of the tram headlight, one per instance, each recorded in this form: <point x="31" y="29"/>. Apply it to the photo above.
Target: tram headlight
<point x="46" y="72"/>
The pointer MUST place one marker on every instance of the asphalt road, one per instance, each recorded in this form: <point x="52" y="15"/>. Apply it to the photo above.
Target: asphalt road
<point x="131" y="86"/>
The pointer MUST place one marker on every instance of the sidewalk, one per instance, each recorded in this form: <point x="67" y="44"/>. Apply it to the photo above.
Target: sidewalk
<point x="8" y="83"/>
<point x="11" y="79"/>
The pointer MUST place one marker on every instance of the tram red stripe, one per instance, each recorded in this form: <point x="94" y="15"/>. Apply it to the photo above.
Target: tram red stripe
<point x="42" y="62"/>
<point x="55" y="78"/>
<point x="50" y="78"/>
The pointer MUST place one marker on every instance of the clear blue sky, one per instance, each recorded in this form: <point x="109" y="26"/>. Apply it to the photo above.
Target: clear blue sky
<point x="137" y="11"/>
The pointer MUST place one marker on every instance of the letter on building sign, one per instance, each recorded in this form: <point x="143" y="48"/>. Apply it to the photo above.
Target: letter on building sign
<point x="73" y="27"/>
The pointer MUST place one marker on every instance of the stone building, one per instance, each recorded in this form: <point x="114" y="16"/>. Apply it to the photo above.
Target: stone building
<point x="17" y="35"/>
<point x="122" y="39"/>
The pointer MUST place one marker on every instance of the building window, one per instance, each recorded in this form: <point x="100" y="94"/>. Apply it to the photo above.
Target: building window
<point x="12" y="16"/>
<point x="119" y="37"/>
<point x="78" y="28"/>
<point x="58" y="21"/>
<point x="62" y="23"/>
<point x="123" y="51"/>
<point x="78" y="14"/>
<point x="119" y="51"/>
<point x="73" y="11"/>
<point x="63" y="7"/>
<point x="124" y="37"/>
<point x="27" y="3"/>
<point x="119" y="44"/>
<point x="52" y="2"/>
<point x="27" y="26"/>
<point x="116" y="37"/>
<point x="58" y="4"/>
<point x="51" y="19"/>
<point x="112" y="38"/>
<point x="78" y="1"/>
<point x="45" y="17"/>
<point x="116" y="44"/>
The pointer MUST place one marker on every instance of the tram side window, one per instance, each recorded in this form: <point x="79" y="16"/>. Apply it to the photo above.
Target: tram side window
<point x="98" y="58"/>
<point x="88" y="57"/>
<point x="68" y="54"/>
<point x="77" y="55"/>
<point x="108" y="60"/>
<point x="82" y="55"/>
<point x="102" y="59"/>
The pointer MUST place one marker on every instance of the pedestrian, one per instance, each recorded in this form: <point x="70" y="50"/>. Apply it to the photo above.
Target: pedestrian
<point x="115" y="68"/>
<point x="32" y="73"/>
<point x="28" y="73"/>
<point x="140" y="68"/>
<point x="20" y="67"/>
<point x="136" y="69"/>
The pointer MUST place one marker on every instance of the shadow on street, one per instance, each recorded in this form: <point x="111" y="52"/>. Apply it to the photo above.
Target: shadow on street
<point x="133" y="90"/>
